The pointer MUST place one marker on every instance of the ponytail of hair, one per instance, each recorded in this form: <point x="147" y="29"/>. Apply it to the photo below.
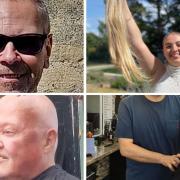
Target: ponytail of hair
<point x="119" y="47"/>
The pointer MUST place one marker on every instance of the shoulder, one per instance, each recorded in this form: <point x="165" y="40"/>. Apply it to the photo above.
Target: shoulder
<point x="131" y="100"/>
<point x="175" y="99"/>
<point x="55" y="173"/>
<point x="63" y="175"/>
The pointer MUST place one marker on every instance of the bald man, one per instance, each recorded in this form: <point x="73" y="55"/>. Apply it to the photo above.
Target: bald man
<point x="28" y="139"/>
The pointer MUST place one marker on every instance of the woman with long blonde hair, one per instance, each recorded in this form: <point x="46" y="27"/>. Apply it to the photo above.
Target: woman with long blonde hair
<point x="128" y="51"/>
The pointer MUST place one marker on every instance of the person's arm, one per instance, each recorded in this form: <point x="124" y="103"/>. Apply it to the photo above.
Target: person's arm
<point x="147" y="60"/>
<point x="132" y="151"/>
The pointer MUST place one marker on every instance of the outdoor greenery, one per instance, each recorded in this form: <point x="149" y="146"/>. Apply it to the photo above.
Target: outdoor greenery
<point x="97" y="46"/>
<point x="98" y="78"/>
<point x="153" y="24"/>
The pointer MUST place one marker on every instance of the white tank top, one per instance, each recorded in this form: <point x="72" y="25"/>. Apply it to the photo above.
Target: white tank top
<point x="169" y="82"/>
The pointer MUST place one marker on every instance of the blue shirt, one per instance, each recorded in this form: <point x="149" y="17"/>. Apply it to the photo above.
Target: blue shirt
<point x="153" y="126"/>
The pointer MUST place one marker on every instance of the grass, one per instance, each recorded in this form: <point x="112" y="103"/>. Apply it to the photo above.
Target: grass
<point x="111" y="70"/>
<point x="92" y="88"/>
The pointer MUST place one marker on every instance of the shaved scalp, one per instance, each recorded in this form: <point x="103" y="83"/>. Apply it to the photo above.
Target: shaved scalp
<point x="39" y="106"/>
<point x="166" y="36"/>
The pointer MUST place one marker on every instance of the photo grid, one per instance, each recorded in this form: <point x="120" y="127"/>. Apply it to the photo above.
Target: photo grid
<point x="42" y="90"/>
<point x="89" y="90"/>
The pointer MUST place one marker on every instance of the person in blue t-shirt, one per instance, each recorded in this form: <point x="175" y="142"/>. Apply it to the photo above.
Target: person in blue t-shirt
<point x="148" y="132"/>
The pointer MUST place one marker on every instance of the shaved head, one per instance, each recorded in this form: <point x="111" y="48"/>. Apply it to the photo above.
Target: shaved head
<point x="171" y="48"/>
<point x="28" y="124"/>
<point x="36" y="106"/>
<point x="171" y="33"/>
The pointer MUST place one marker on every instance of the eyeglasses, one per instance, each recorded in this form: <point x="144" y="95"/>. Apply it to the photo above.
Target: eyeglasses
<point x="29" y="44"/>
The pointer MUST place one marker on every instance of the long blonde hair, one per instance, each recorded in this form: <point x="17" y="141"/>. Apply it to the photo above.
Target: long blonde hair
<point x="119" y="48"/>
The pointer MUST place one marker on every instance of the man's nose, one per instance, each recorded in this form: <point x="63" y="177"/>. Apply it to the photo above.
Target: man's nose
<point x="9" y="55"/>
<point x="1" y="144"/>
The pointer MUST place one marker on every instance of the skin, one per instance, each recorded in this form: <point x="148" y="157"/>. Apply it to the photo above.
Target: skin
<point x="137" y="153"/>
<point x="150" y="63"/>
<point x="155" y="98"/>
<point x="28" y="136"/>
<point x="171" y="49"/>
<point x="21" y="17"/>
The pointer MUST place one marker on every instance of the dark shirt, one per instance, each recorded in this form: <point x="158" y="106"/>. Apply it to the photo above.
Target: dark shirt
<point x="55" y="173"/>
<point x="154" y="126"/>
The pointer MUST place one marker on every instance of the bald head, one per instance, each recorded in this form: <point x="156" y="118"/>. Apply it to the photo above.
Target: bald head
<point x="39" y="109"/>
<point x="169" y="34"/>
<point x="28" y="124"/>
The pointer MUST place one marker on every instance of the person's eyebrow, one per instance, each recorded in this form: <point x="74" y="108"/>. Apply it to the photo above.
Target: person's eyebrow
<point x="168" y="43"/>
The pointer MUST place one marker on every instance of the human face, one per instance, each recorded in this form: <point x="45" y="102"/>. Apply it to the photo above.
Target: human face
<point x="21" y="72"/>
<point x="171" y="49"/>
<point x="21" y="148"/>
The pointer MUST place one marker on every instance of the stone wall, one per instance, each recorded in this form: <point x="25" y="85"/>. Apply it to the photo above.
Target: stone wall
<point x="65" y="73"/>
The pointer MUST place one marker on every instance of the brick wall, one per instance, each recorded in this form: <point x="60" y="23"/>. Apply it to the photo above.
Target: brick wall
<point x="65" y="73"/>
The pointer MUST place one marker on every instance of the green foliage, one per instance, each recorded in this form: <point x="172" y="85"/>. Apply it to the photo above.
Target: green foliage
<point x="157" y="21"/>
<point x="95" y="77"/>
<point x="99" y="78"/>
<point x="111" y="70"/>
<point x="119" y="83"/>
<point x="175" y="18"/>
<point x="97" y="46"/>
<point x="153" y="23"/>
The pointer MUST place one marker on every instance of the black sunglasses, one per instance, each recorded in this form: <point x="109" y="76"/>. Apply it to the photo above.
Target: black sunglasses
<point x="29" y="44"/>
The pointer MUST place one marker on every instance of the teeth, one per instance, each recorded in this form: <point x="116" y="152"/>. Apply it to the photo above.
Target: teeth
<point x="175" y="55"/>
<point x="32" y="75"/>
<point x="10" y="76"/>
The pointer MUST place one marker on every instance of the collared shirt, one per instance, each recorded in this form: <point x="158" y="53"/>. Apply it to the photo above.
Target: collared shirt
<point x="55" y="173"/>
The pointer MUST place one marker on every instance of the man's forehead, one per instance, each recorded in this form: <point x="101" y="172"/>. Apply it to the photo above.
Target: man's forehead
<point x="17" y="103"/>
<point x="17" y="16"/>
<point x="17" y="8"/>
<point x="31" y="103"/>
<point x="37" y="110"/>
<point x="19" y="113"/>
<point x="17" y="116"/>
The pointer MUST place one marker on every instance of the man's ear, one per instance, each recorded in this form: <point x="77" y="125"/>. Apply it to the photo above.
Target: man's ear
<point x="50" y="141"/>
<point x="48" y="50"/>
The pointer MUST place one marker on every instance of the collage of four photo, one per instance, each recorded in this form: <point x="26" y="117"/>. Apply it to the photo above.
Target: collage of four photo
<point x="89" y="89"/>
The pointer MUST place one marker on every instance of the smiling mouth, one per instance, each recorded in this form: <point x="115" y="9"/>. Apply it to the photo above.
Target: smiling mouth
<point x="11" y="76"/>
<point x="3" y="158"/>
<point x="175" y="55"/>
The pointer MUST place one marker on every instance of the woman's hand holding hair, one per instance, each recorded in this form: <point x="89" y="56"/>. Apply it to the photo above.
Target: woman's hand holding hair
<point x="126" y="45"/>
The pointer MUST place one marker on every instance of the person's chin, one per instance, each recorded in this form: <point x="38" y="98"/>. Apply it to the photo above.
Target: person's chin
<point x="15" y="85"/>
<point x="4" y="169"/>
<point x="174" y="62"/>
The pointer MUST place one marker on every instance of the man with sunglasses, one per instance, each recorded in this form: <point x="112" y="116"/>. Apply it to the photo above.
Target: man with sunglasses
<point x="25" y="44"/>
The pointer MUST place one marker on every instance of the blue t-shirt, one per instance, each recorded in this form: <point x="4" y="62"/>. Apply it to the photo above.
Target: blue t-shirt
<point x="153" y="126"/>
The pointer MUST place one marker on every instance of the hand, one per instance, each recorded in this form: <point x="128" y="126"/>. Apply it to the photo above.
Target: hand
<point x="170" y="161"/>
